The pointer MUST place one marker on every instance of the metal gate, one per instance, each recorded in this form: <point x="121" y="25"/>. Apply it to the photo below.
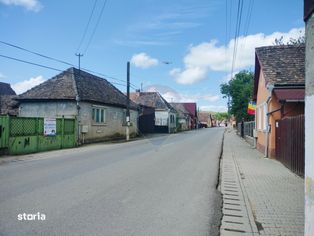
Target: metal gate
<point x="290" y="143"/>
<point x="22" y="135"/>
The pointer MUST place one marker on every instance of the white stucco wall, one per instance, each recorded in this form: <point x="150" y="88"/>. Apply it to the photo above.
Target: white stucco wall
<point x="162" y="118"/>
<point x="111" y="128"/>
<point x="48" y="109"/>
<point x="309" y="129"/>
<point x="113" y="125"/>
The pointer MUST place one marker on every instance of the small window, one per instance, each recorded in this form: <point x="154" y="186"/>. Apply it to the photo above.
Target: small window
<point x="98" y="115"/>
<point x="265" y="117"/>
<point x="259" y="121"/>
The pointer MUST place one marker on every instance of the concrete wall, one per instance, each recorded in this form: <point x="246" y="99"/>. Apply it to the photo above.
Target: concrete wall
<point x="112" y="127"/>
<point x="162" y="118"/>
<point x="48" y="109"/>
<point x="309" y="128"/>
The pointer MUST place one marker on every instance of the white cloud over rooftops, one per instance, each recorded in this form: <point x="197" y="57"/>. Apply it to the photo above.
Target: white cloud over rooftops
<point x="23" y="86"/>
<point x="173" y="96"/>
<point x="210" y="56"/>
<point x="142" y="60"/>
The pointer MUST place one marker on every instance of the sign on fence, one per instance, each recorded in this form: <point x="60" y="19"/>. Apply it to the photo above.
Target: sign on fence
<point x="50" y="126"/>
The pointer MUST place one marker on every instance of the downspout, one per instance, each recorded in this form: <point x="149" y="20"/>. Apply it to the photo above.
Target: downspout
<point x="270" y="88"/>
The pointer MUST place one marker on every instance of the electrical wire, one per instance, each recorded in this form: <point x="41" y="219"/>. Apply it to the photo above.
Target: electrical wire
<point x="55" y="69"/>
<point x="236" y="36"/>
<point x="56" y="60"/>
<point x="28" y="62"/>
<point x="37" y="54"/>
<point x="95" y="28"/>
<point x="248" y="17"/>
<point x="87" y="26"/>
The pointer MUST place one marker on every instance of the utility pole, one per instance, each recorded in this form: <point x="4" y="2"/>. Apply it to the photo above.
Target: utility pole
<point x="128" y="102"/>
<point x="77" y="98"/>
<point x="79" y="55"/>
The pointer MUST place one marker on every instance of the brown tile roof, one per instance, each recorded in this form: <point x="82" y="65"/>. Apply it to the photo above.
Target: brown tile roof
<point x="180" y="108"/>
<point x="151" y="99"/>
<point x="72" y="82"/>
<point x="8" y="106"/>
<point x="5" y="89"/>
<point x="282" y="65"/>
<point x="203" y="116"/>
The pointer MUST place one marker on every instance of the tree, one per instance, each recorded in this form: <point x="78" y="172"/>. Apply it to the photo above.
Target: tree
<point x="292" y="41"/>
<point x="240" y="90"/>
<point x="221" y="116"/>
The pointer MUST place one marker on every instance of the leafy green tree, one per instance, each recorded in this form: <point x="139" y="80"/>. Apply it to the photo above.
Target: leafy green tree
<point x="221" y="115"/>
<point x="240" y="90"/>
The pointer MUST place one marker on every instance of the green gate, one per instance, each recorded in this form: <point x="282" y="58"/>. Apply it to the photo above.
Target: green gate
<point x="24" y="135"/>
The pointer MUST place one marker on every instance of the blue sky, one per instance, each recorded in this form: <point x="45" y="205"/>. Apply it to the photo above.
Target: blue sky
<point x="196" y="37"/>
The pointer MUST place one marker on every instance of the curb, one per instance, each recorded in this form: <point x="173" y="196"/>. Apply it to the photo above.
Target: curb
<point x="237" y="217"/>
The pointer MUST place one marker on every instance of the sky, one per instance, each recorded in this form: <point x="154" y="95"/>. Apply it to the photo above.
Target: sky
<point x="181" y="48"/>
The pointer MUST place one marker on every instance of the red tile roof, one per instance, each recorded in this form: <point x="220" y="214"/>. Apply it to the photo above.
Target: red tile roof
<point x="290" y="94"/>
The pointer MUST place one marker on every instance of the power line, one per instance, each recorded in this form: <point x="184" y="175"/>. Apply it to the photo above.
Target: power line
<point x="37" y="54"/>
<point x="28" y="62"/>
<point x="95" y="28"/>
<point x="52" y="68"/>
<point x="248" y="17"/>
<point x="237" y="32"/>
<point x="56" y="60"/>
<point x="87" y="26"/>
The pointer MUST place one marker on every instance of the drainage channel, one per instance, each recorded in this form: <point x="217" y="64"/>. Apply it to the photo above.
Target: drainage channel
<point x="237" y="215"/>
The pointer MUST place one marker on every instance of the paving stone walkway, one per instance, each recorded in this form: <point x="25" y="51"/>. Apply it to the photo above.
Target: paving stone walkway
<point x="260" y="196"/>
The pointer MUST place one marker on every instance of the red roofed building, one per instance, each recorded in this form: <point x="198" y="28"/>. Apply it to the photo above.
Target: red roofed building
<point x="191" y="107"/>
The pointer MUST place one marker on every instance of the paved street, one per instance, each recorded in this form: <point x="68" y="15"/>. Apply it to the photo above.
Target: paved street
<point x="157" y="186"/>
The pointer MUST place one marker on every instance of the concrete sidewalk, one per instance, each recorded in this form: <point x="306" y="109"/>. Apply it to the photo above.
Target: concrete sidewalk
<point x="260" y="196"/>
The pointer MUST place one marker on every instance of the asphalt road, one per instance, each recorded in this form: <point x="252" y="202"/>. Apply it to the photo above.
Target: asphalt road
<point x="157" y="186"/>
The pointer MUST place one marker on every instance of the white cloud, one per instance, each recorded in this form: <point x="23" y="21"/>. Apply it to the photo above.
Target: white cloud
<point x="190" y="75"/>
<point x="209" y="56"/>
<point x="32" y="5"/>
<point x="25" y="85"/>
<point x="214" y="108"/>
<point x="142" y="60"/>
<point x="173" y="96"/>
<point x="228" y="77"/>
<point x="2" y="76"/>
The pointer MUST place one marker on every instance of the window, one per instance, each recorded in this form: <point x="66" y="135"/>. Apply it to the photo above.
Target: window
<point x="171" y="119"/>
<point x="259" y="117"/>
<point x="98" y="115"/>
<point x="265" y="117"/>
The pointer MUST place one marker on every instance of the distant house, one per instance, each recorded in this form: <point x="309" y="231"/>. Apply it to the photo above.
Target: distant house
<point x="191" y="107"/>
<point x="165" y="114"/>
<point x="98" y="106"/>
<point x="205" y="119"/>
<point x="279" y="90"/>
<point x="8" y="106"/>
<point x="146" y="120"/>
<point x="183" y="117"/>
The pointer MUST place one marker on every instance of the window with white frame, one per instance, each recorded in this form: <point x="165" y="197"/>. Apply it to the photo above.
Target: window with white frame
<point x="259" y="116"/>
<point x="265" y="116"/>
<point x="99" y="115"/>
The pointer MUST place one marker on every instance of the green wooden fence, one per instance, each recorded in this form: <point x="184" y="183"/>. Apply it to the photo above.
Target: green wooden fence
<point x="22" y="135"/>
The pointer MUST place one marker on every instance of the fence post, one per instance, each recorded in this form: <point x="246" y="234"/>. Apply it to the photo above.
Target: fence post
<point x="62" y="131"/>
